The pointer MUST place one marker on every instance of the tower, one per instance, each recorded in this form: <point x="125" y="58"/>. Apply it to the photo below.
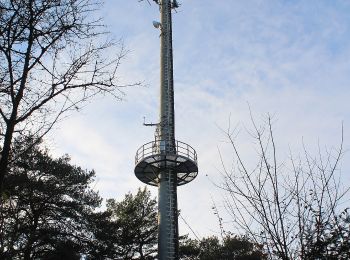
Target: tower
<point x="166" y="162"/>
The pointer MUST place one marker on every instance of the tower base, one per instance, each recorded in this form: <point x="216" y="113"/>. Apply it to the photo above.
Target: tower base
<point x="168" y="242"/>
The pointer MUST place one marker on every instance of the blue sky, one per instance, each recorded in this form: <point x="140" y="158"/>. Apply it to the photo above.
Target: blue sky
<point x="287" y="58"/>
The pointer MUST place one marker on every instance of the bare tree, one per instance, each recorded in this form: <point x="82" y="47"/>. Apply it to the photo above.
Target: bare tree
<point x="52" y="60"/>
<point x="293" y="208"/>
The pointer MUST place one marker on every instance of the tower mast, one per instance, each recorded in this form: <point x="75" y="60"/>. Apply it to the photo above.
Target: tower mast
<point x="167" y="124"/>
<point x="166" y="162"/>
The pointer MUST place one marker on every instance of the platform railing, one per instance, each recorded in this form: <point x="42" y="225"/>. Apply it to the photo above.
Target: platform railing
<point x="153" y="148"/>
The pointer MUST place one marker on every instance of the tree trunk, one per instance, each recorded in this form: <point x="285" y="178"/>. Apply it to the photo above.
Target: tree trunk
<point x="5" y="155"/>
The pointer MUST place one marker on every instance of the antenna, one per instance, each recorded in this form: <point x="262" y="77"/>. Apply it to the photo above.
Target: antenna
<point x="157" y="25"/>
<point x="166" y="162"/>
<point x="149" y="124"/>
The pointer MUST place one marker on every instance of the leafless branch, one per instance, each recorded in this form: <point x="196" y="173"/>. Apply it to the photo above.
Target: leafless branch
<point x="288" y="207"/>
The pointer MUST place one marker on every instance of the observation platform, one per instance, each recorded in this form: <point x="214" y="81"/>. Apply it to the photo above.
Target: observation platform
<point x="150" y="160"/>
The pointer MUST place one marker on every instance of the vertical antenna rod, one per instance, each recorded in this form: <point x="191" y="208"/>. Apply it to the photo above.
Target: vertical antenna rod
<point x="166" y="162"/>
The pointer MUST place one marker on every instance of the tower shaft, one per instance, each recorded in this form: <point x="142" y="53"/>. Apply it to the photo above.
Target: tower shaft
<point x="167" y="187"/>
<point x="167" y="122"/>
<point x="166" y="162"/>
<point x="168" y="235"/>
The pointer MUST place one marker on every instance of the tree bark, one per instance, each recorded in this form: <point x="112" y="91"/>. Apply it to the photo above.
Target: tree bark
<point x="5" y="156"/>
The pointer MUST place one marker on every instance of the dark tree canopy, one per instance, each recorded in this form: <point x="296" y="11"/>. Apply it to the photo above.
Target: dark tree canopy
<point x="49" y="212"/>
<point x="47" y="206"/>
<point x="136" y="217"/>
<point x="230" y="247"/>
<point x="330" y="240"/>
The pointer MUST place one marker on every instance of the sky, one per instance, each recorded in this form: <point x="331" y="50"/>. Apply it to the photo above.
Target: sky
<point x="286" y="58"/>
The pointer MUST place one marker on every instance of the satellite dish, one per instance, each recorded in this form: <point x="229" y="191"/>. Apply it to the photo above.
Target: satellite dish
<point x="157" y="25"/>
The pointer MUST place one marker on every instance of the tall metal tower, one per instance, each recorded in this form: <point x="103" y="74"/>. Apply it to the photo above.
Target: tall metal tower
<point x="166" y="162"/>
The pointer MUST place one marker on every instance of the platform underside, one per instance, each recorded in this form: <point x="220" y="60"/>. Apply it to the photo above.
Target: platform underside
<point x="148" y="169"/>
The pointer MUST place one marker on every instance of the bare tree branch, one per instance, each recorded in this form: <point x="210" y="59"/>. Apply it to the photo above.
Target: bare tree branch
<point x="53" y="59"/>
<point x="291" y="208"/>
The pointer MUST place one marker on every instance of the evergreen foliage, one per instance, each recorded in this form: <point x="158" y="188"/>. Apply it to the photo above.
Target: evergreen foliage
<point x="229" y="247"/>
<point x="47" y="205"/>
<point x="50" y="212"/>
